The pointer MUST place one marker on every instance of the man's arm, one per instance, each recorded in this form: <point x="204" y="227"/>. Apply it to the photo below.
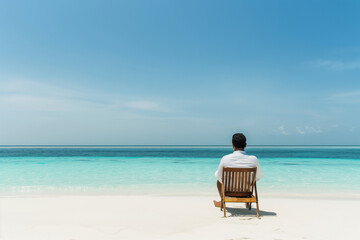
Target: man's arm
<point x="259" y="172"/>
<point x="218" y="173"/>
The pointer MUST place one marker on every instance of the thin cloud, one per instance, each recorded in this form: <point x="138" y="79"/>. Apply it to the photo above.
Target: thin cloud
<point x="337" y="65"/>
<point x="348" y="94"/>
<point x="350" y="97"/>
<point x="308" y="130"/>
<point x="145" y="105"/>
<point x="25" y="102"/>
<point x="35" y="96"/>
<point x="312" y="129"/>
<point x="283" y="131"/>
<point x="301" y="132"/>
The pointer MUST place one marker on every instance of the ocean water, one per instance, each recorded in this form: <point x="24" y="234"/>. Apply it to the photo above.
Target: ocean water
<point x="297" y="170"/>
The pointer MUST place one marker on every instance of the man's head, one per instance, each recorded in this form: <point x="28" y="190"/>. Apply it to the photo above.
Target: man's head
<point x="239" y="141"/>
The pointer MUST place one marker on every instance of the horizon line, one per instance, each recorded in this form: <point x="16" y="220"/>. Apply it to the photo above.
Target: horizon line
<point x="156" y="145"/>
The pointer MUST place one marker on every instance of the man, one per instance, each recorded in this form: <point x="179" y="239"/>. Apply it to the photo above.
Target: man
<point x="237" y="159"/>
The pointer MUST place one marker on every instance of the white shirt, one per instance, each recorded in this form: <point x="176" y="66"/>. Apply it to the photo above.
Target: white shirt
<point x="238" y="159"/>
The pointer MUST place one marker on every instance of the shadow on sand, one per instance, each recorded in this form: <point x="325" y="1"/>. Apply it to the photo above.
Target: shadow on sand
<point x="244" y="212"/>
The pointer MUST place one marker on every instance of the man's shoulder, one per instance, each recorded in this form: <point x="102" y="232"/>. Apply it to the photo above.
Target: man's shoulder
<point x="252" y="157"/>
<point x="227" y="156"/>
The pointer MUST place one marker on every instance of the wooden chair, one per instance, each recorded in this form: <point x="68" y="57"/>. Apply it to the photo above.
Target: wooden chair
<point x="238" y="185"/>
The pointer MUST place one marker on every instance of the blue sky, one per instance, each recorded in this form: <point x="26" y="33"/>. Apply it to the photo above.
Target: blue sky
<point x="179" y="72"/>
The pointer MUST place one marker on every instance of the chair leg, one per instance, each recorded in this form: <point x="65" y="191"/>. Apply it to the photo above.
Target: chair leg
<point x="249" y="206"/>
<point x="223" y="198"/>
<point x="257" y="202"/>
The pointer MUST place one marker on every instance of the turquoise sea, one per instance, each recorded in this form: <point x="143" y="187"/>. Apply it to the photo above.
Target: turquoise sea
<point x="293" y="170"/>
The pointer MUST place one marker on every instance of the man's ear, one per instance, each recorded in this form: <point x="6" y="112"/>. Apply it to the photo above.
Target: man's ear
<point x="245" y="145"/>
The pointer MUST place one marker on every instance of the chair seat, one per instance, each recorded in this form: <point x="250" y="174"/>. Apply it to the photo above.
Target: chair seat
<point x="240" y="199"/>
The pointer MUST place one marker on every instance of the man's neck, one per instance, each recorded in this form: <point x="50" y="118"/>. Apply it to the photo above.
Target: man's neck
<point x="239" y="149"/>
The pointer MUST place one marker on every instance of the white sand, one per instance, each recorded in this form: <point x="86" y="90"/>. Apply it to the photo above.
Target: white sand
<point x="174" y="217"/>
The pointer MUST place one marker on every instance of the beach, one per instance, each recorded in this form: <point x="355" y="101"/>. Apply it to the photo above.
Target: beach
<point x="175" y="217"/>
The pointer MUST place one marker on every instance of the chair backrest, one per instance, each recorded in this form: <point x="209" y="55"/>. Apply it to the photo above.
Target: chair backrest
<point x="239" y="182"/>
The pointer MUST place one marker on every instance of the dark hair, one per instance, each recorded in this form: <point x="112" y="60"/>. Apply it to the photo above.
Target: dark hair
<point x="239" y="140"/>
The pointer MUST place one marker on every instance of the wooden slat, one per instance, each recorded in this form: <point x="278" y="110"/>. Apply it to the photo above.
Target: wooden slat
<point x="238" y="182"/>
<point x="231" y="181"/>
<point x="252" y="181"/>
<point x="251" y="199"/>
<point x="251" y="178"/>
<point x="235" y="180"/>
<point x="242" y="182"/>
<point x="245" y="182"/>
<point x="248" y="183"/>
<point x="228" y="181"/>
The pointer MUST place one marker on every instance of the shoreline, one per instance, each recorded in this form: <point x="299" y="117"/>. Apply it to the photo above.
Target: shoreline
<point x="285" y="195"/>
